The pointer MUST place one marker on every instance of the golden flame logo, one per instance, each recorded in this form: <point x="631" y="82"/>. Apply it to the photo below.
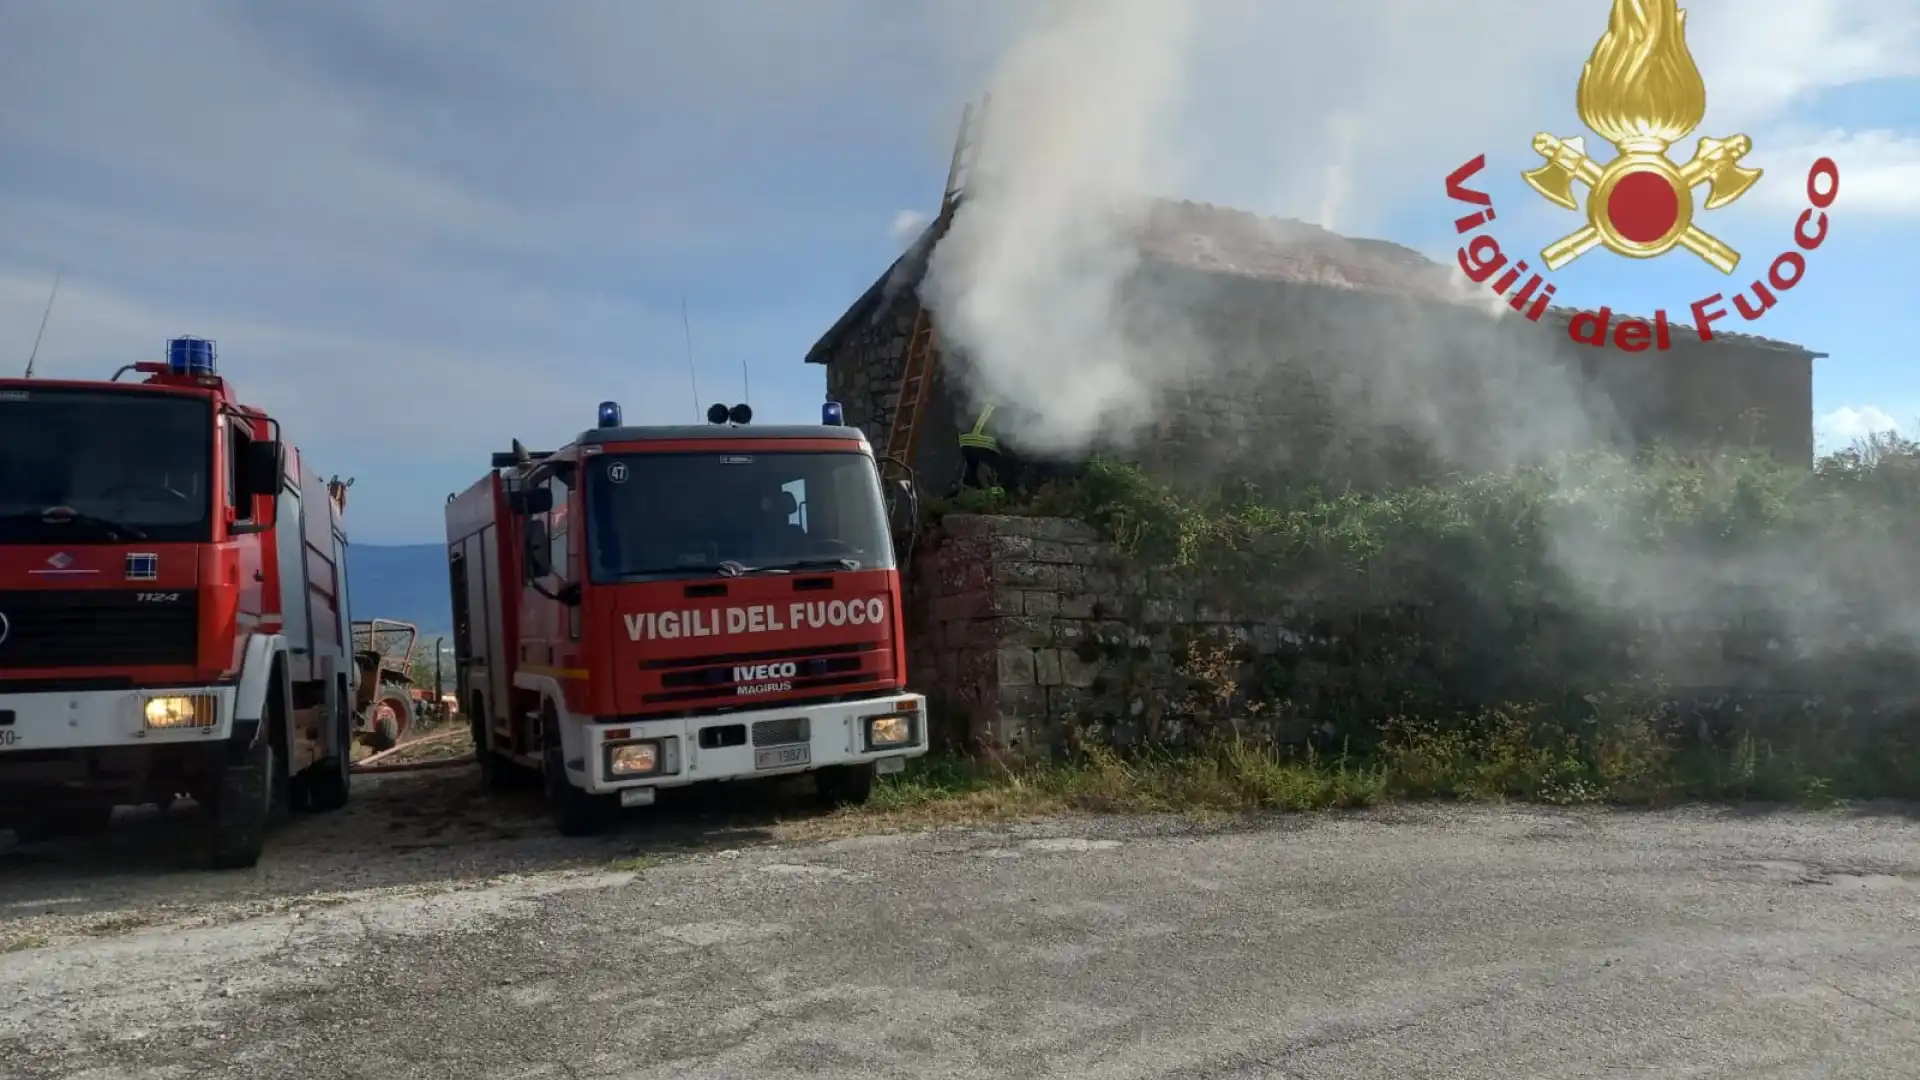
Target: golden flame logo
<point x="1641" y="92"/>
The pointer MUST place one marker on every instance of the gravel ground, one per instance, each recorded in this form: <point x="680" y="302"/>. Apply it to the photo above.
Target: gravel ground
<point x="464" y="941"/>
<point x="409" y="833"/>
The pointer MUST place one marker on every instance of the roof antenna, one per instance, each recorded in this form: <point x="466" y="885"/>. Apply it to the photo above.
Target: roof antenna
<point x="687" y="326"/>
<point x="746" y="388"/>
<point x="44" y="316"/>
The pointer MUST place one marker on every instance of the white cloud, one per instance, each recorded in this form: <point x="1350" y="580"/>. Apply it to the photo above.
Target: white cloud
<point x="1765" y="59"/>
<point x="1879" y="171"/>
<point x="906" y="226"/>
<point x="1761" y="58"/>
<point x="1847" y="423"/>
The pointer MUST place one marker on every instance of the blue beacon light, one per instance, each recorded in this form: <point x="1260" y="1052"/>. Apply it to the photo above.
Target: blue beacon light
<point x="832" y="415"/>
<point x="191" y="356"/>
<point x="609" y="414"/>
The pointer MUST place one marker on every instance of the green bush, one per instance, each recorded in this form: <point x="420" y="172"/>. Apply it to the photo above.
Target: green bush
<point x="1532" y="673"/>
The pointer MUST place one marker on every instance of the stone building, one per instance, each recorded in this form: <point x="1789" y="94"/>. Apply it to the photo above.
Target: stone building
<point x="1354" y="361"/>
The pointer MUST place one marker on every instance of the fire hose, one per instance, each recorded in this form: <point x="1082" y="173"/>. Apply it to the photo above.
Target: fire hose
<point x="371" y="763"/>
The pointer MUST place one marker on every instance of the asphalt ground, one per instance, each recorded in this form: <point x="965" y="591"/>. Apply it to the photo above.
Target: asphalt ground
<point x="466" y="941"/>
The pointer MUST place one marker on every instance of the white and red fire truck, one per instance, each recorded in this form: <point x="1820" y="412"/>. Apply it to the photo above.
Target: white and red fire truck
<point x="650" y="607"/>
<point x="173" y="608"/>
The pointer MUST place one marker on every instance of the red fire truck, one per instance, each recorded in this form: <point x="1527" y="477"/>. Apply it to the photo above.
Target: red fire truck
<point x="172" y="608"/>
<point x="650" y="607"/>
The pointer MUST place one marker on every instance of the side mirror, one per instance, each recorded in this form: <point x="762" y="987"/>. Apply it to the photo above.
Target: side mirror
<point x="907" y="496"/>
<point x="903" y="513"/>
<point x="533" y="501"/>
<point x="539" y="545"/>
<point x="260" y="470"/>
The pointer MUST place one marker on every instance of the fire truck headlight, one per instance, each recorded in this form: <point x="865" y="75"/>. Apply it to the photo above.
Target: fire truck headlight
<point x="889" y="731"/>
<point x="634" y="759"/>
<point x="181" y="711"/>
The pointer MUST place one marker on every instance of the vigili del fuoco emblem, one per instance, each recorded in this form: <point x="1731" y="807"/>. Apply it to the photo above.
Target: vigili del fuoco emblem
<point x="1641" y="92"/>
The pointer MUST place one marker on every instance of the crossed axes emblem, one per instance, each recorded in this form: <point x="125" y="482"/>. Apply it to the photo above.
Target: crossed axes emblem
<point x="1641" y="204"/>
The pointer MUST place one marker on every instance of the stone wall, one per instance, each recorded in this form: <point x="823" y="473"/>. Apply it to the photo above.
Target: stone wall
<point x="1027" y="630"/>
<point x="1355" y="388"/>
<point x="1022" y="627"/>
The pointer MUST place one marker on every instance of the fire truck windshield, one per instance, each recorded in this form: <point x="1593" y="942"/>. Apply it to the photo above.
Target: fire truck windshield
<point x="109" y="465"/>
<point x="664" y="515"/>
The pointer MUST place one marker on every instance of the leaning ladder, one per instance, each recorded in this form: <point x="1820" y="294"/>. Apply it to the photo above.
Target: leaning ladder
<point x="922" y="361"/>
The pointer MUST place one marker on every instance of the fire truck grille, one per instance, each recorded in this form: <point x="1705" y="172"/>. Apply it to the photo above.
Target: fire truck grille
<point x="699" y="678"/>
<point x="780" y="732"/>
<point x="97" y="628"/>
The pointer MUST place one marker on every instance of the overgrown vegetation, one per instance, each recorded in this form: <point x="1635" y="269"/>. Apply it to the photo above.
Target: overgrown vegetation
<point x="1511" y="635"/>
<point x="1500" y="755"/>
<point x="1654" y="501"/>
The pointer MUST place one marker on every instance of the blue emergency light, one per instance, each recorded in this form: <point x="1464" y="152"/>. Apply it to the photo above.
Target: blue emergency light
<point x="609" y="414"/>
<point x="832" y="415"/>
<point x="190" y="356"/>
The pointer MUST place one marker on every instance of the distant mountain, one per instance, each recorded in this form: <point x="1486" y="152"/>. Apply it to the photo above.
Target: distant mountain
<point x="407" y="582"/>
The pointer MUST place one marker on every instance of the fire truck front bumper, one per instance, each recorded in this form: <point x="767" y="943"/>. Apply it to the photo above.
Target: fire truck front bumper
<point x="629" y="757"/>
<point x="81" y="719"/>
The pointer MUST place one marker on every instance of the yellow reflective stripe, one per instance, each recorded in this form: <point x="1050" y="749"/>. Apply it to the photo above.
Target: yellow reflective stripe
<point x="987" y="442"/>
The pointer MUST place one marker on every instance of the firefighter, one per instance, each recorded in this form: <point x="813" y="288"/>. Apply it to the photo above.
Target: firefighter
<point x="981" y="451"/>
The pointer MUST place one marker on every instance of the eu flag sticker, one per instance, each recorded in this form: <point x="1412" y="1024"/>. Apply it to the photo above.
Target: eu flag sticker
<point x="142" y="567"/>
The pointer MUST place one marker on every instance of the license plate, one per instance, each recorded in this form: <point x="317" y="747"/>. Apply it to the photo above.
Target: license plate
<point x="782" y="757"/>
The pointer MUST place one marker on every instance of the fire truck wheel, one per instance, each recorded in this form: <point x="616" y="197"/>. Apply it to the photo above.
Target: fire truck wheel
<point x="575" y="812"/>
<point x="845" y="785"/>
<point x="329" y="782"/>
<point x="243" y="797"/>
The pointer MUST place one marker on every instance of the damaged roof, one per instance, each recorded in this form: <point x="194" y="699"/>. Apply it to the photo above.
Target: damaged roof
<point x="1221" y="240"/>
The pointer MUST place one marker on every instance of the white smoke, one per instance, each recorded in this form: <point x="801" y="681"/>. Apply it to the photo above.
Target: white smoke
<point x="1101" y="106"/>
<point x="1029" y="281"/>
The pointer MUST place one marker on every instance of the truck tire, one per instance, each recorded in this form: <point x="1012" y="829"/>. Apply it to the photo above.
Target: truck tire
<point x="242" y="805"/>
<point x="575" y="812"/>
<point x="329" y="782"/>
<point x="845" y="785"/>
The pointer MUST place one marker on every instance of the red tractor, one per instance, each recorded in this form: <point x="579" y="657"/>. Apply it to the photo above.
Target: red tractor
<point x="384" y="705"/>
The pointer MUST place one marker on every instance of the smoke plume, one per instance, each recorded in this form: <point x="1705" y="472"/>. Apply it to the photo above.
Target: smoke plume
<point x="1029" y="281"/>
<point x="1100" y="107"/>
<point x="1319" y="112"/>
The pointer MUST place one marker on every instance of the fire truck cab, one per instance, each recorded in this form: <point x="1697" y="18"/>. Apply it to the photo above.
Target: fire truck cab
<point x="651" y="607"/>
<point x="172" y="608"/>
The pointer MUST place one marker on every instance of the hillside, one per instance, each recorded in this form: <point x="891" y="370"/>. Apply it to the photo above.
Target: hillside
<point x="407" y="582"/>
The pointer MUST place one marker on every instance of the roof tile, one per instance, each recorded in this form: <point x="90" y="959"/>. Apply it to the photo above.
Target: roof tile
<point x="1222" y="240"/>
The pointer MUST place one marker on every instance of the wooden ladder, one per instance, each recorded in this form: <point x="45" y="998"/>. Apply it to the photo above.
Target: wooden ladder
<point x="922" y="362"/>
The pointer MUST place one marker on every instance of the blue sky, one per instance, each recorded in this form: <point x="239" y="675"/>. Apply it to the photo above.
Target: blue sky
<point x="421" y="229"/>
